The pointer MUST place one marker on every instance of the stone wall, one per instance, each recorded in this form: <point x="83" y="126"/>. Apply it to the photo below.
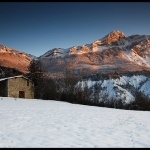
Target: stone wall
<point x="20" y="84"/>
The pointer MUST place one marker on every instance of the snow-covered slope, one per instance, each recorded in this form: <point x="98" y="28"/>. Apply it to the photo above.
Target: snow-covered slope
<point x="145" y="88"/>
<point x="122" y="88"/>
<point x="26" y="123"/>
<point x="114" y="52"/>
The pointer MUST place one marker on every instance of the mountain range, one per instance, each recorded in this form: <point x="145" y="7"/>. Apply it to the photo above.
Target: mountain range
<point x="113" y="52"/>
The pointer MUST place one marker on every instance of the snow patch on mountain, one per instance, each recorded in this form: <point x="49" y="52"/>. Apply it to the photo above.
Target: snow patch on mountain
<point x="119" y="89"/>
<point x="145" y="88"/>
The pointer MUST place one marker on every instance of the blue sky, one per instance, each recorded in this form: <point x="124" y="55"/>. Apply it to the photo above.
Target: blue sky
<point x="36" y="27"/>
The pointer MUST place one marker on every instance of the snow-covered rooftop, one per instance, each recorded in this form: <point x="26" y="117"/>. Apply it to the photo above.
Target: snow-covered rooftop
<point x="19" y="76"/>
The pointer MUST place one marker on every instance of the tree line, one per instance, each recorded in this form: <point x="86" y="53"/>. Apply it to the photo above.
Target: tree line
<point x="69" y="89"/>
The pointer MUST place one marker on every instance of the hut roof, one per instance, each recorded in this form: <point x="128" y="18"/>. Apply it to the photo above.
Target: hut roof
<point x="19" y="76"/>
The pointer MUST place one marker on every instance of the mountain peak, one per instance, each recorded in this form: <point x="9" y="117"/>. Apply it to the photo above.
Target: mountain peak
<point x="117" y="32"/>
<point x="113" y="36"/>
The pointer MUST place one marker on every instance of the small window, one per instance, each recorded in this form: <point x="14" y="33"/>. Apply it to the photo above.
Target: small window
<point x="27" y="83"/>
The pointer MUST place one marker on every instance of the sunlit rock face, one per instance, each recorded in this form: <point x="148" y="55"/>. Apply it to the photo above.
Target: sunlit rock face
<point x="14" y="59"/>
<point x="113" y="37"/>
<point x="113" y="52"/>
<point x="142" y="49"/>
<point x="73" y="50"/>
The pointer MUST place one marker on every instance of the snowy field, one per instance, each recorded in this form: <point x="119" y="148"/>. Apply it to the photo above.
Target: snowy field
<point x="39" y="123"/>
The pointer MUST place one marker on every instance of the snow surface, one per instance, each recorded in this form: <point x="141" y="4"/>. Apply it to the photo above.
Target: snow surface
<point x="49" y="123"/>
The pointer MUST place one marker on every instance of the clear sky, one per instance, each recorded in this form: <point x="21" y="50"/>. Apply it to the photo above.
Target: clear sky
<point x="36" y="27"/>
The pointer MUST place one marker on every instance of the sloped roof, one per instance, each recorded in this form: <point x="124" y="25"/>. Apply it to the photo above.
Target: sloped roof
<point x="20" y="76"/>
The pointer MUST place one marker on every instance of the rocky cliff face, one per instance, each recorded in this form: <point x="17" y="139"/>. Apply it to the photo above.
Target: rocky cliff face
<point x="14" y="59"/>
<point x="112" y="37"/>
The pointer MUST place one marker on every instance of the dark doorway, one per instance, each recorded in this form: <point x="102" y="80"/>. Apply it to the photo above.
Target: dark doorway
<point x="21" y="94"/>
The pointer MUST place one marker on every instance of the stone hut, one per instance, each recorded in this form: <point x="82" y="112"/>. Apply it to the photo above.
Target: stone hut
<point x="17" y="87"/>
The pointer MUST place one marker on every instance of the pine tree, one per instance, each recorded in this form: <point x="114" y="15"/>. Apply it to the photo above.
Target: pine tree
<point x="36" y="75"/>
